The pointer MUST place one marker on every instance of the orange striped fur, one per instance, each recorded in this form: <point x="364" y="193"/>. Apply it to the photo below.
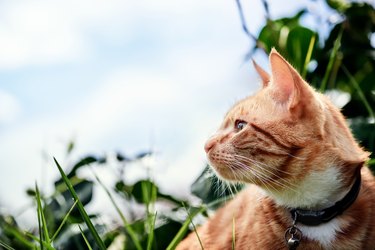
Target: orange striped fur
<point x="294" y="150"/>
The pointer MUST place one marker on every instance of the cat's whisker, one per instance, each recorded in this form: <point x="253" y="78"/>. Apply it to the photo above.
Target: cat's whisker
<point x="259" y="177"/>
<point x="264" y="176"/>
<point x="222" y="186"/>
<point x="266" y="170"/>
<point x="279" y="182"/>
<point x="248" y="160"/>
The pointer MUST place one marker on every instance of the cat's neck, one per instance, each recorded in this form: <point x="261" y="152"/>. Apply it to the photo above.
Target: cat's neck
<point x="318" y="190"/>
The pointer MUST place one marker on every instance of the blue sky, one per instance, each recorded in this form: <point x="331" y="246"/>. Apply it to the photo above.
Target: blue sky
<point x="119" y="75"/>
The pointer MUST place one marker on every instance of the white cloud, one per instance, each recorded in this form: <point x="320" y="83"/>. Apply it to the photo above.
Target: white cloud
<point x="43" y="32"/>
<point x="179" y="95"/>
<point x="35" y="33"/>
<point x="9" y="107"/>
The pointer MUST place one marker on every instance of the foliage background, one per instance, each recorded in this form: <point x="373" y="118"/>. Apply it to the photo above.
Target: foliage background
<point x="341" y="64"/>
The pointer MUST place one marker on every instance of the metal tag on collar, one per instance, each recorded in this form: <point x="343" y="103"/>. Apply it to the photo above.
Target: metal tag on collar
<point x="293" y="235"/>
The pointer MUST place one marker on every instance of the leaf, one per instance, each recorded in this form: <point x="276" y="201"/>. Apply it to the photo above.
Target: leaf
<point x="165" y="233"/>
<point x="143" y="155"/>
<point x="61" y="202"/>
<point x="122" y="158"/>
<point x="275" y="32"/>
<point x="70" y="147"/>
<point x="339" y="5"/>
<point x="84" y="162"/>
<point x="298" y="43"/>
<point x="144" y="191"/>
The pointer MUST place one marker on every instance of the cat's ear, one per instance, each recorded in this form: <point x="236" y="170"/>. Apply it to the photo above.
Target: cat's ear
<point x="262" y="73"/>
<point x="287" y="84"/>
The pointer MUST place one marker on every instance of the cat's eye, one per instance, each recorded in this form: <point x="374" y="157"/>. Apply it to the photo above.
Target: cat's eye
<point x="239" y="124"/>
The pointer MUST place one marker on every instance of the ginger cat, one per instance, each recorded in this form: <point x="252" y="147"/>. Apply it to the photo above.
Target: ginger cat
<point x="308" y="187"/>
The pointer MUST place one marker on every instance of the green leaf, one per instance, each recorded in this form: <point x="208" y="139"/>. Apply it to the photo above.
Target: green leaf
<point x="144" y="191"/>
<point x="275" y="33"/>
<point x="165" y="233"/>
<point x="70" y="147"/>
<point x="61" y="202"/>
<point x="339" y="5"/>
<point x="84" y="162"/>
<point x="81" y="209"/>
<point x="297" y="46"/>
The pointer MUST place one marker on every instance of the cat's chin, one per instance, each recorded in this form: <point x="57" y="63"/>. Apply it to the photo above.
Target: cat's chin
<point x="228" y="174"/>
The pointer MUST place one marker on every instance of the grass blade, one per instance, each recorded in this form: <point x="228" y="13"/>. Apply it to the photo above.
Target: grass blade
<point x="127" y="226"/>
<point x="308" y="55"/>
<point x="84" y="238"/>
<point x="63" y="222"/>
<point x="180" y="234"/>
<point x="332" y="58"/>
<point x="7" y="247"/>
<point x="355" y="84"/>
<point x="194" y="228"/>
<point x="150" y="239"/>
<point x="15" y="233"/>
<point x="42" y="219"/>
<point x="49" y="247"/>
<point x="40" y="230"/>
<point x="81" y="209"/>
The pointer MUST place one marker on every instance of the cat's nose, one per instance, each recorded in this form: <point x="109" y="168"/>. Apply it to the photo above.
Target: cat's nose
<point x="209" y="144"/>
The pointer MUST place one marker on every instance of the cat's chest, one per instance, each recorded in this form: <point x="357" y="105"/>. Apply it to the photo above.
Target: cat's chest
<point x="324" y="234"/>
<point x="270" y="221"/>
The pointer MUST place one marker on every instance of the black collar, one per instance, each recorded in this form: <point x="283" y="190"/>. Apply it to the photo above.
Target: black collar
<point x="317" y="217"/>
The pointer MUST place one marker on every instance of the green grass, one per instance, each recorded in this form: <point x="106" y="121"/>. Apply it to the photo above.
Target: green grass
<point x="63" y="222"/>
<point x="81" y="209"/>
<point x="4" y="245"/>
<point x="84" y="238"/>
<point x="42" y="224"/>
<point x="184" y="229"/>
<point x="127" y="226"/>
<point x="331" y="61"/>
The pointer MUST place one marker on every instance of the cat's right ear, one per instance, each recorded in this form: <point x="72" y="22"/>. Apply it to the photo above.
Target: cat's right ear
<point x="262" y="73"/>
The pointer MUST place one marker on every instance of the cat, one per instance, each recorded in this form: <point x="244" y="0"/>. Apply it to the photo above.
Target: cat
<point x="308" y="186"/>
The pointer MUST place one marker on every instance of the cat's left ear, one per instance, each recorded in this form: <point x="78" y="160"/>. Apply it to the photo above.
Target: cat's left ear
<point x="288" y="87"/>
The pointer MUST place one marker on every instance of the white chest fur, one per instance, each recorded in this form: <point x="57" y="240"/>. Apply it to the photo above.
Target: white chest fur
<point x="325" y="233"/>
<point x="318" y="190"/>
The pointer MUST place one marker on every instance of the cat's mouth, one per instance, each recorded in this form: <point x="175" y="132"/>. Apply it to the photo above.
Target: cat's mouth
<point x="225" y="165"/>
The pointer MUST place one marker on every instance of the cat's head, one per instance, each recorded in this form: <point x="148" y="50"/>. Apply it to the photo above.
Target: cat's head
<point x="283" y="133"/>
